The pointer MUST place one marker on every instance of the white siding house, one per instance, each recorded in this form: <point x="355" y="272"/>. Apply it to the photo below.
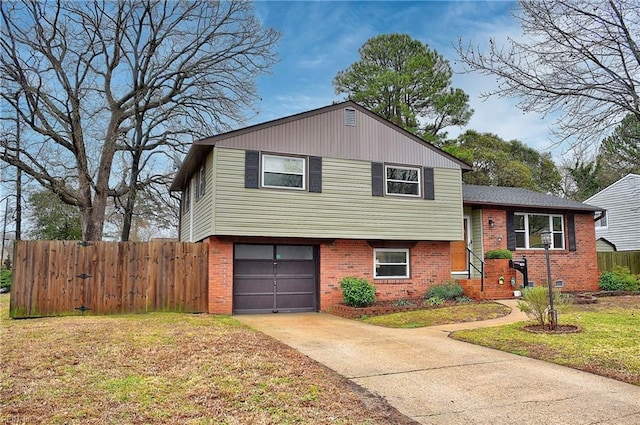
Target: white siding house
<point x="620" y="226"/>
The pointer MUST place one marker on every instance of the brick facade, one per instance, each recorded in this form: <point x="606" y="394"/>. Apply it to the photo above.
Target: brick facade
<point x="220" y="276"/>
<point x="429" y="265"/>
<point x="578" y="269"/>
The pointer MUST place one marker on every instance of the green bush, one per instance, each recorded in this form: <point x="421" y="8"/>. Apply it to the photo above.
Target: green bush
<point x="609" y="282"/>
<point x="357" y="292"/>
<point x="535" y="303"/>
<point x="445" y="291"/>
<point x="5" y="279"/>
<point x="403" y="303"/>
<point x="495" y="254"/>
<point x="619" y="279"/>
<point x="432" y="301"/>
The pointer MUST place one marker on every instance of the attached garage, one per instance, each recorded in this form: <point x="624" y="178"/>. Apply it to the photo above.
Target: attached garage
<point x="275" y="278"/>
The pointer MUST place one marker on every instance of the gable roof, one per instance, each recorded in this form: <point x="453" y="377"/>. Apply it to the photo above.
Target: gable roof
<point x="519" y="198"/>
<point x="201" y="148"/>
<point x="631" y="179"/>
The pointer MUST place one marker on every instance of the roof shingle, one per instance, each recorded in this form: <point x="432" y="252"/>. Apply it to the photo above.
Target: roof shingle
<point x="519" y="197"/>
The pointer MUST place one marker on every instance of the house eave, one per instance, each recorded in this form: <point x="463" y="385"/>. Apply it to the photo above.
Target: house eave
<point x="515" y="206"/>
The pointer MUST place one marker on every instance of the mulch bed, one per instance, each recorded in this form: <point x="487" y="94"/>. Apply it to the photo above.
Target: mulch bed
<point x="560" y="329"/>
<point x="380" y="308"/>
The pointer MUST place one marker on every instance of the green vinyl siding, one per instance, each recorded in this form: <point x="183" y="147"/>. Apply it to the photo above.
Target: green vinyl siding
<point x="203" y="219"/>
<point x="344" y="208"/>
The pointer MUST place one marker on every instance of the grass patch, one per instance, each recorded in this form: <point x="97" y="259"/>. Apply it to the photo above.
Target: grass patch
<point x="168" y="368"/>
<point x="440" y="316"/>
<point x="608" y="344"/>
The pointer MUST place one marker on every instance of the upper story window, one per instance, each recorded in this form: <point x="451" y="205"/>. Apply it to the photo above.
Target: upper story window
<point x="186" y="197"/>
<point x="390" y="263"/>
<point x="285" y="172"/>
<point x="529" y="227"/>
<point x="201" y="182"/>
<point x="403" y="181"/>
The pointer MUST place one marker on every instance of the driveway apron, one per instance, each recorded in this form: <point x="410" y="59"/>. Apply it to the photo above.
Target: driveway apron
<point x="437" y="380"/>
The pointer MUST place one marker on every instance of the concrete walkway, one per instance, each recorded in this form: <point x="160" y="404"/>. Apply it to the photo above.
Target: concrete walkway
<point x="437" y="380"/>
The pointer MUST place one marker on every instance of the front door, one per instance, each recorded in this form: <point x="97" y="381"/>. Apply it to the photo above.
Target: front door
<point x="459" y="253"/>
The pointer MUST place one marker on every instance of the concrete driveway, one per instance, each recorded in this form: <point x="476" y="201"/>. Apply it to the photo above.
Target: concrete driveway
<point x="436" y="380"/>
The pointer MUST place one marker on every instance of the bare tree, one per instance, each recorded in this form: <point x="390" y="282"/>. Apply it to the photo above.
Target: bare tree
<point x="134" y="80"/>
<point x="579" y="58"/>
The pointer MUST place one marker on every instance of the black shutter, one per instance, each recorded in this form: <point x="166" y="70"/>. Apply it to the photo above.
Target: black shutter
<point x="511" y="232"/>
<point x="428" y="191"/>
<point x="571" y="228"/>
<point x="252" y="169"/>
<point x="377" y="179"/>
<point x="315" y="174"/>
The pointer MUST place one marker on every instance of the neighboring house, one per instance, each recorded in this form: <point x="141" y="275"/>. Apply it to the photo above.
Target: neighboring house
<point x="291" y="206"/>
<point x="619" y="228"/>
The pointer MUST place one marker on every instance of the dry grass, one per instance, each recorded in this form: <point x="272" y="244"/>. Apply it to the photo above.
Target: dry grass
<point x="168" y="368"/>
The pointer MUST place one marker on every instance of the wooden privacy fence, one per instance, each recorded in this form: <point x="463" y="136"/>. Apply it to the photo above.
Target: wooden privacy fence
<point x="629" y="259"/>
<point x="53" y="278"/>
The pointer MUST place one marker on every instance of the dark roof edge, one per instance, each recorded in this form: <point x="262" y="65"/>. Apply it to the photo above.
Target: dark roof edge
<point x="503" y="205"/>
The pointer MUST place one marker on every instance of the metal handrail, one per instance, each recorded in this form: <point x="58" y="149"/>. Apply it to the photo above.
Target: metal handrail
<point x="479" y="270"/>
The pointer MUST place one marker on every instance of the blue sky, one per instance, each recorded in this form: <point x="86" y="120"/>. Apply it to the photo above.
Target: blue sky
<point x="320" y="38"/>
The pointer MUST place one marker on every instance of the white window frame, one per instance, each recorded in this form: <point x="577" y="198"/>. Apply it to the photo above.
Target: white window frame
<point x="402" y="167"/>
<point x="376" y="264"/>
<point x="549" y="227"/>
<point x="303" y="173"/>
<point x="603" y="223"/>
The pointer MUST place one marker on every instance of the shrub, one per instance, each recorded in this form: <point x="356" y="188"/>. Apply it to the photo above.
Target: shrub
<point x="403" y="303"/>
<point x="433" y="301"/>
<point x="535" y="303"/>
<point x="609" y="282"/>
<point x="619" y="279"/>
<point x="5" y="279"/>
<point x="495" y="254"/>
<point x="357" y="292"/>
<point x="463" y="299"/>
<point x="445" y="291"/>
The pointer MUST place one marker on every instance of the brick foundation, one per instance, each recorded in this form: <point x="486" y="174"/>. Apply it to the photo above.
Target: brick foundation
<point x="429" y="265"/>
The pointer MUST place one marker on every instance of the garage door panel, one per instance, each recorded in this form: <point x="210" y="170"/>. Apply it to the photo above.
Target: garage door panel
<point x="294" y="302"/>
<point x="296" y="284"/>
<point x="255" y="267"/>
<point x="253" y="285"/>
<point x="253" y="303"/>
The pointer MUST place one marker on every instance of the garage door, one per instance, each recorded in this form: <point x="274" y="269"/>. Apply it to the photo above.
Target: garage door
<point x="274" y="278"/>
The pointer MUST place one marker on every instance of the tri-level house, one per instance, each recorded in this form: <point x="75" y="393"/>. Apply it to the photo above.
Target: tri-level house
<point x="291" y="206"/>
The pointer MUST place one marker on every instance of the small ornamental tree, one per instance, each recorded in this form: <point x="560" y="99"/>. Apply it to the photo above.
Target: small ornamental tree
<point x="535" y="303"/>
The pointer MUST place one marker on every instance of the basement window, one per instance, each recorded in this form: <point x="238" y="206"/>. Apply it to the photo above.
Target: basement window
<point x="390" y="263"/>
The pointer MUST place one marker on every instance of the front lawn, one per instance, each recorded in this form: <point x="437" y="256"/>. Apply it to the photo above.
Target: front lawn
<point x="608" y="344"/>
<point x="441" y="315"/>
<point x="168" y="368"/>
